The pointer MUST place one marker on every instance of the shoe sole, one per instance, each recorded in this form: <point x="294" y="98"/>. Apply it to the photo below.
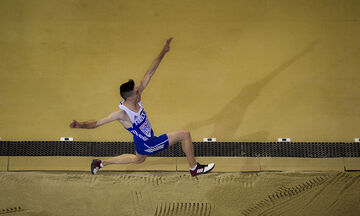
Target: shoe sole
<point x="92" y="167"/>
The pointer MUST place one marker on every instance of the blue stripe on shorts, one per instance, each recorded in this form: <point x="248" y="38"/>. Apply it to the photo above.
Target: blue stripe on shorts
<point x="153" y="146"/>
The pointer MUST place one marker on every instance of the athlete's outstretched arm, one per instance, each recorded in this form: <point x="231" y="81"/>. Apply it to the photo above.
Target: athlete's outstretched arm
<point x="117" y="115"/>
<point x="150" y="72"/>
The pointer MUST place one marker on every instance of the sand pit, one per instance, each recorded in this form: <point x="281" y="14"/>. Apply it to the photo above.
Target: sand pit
<point x="171" y="193"/>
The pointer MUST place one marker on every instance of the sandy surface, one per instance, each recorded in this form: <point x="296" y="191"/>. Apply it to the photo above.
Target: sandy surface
<point x="161" y="193"/>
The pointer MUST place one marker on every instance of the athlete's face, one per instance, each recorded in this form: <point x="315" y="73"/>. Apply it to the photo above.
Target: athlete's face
<point x="136" y="94"/>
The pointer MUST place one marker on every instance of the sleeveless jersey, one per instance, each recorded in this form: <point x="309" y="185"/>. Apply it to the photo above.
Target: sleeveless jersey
<point x="141" y="127"/>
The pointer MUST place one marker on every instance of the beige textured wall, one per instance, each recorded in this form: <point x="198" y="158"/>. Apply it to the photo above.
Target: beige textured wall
<point x="237" y="70"/>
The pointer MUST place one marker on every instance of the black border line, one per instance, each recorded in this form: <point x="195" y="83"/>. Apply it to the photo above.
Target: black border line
<point x="202" y="149"/>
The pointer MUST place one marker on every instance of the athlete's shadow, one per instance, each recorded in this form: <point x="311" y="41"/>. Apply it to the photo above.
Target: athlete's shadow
<point x="229" y="119"/>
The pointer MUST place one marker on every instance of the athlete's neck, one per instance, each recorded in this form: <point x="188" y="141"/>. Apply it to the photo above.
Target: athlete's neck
<point x="132" y="105"/>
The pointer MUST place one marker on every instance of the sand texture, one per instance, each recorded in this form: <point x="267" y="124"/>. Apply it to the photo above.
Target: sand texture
<point x="171" y="193"/>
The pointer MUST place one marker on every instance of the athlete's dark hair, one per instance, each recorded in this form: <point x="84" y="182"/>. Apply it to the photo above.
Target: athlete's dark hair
<point x="126" y="88"/>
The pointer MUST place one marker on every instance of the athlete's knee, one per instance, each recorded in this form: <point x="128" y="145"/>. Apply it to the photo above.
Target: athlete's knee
<point x="139" y="160"/>
<point x="186" y="134"/>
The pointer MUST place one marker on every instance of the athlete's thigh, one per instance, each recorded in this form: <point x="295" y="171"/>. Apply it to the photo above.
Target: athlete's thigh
<point x="176" y="136"/>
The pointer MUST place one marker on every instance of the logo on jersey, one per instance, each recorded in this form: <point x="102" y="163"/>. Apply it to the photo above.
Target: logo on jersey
<point x="139" y="135"/>
<point x="139" y="119"/>
<point x="146" y="128"/>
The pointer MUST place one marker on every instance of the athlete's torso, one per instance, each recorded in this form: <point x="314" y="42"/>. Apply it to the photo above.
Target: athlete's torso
<point x="141" y="127"/>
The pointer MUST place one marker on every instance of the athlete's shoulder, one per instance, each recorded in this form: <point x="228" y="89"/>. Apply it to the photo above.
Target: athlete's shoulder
<point x="120" y="114"/>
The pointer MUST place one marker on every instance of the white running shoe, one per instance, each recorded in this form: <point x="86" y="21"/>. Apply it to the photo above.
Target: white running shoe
<point x="202" y="169"/>
<point x="95" y="166"/>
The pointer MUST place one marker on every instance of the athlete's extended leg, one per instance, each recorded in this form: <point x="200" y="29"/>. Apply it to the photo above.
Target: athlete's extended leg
<point x="122" y="159"/>
<point x="184" y="137"/>
<point x="125" y="159"/>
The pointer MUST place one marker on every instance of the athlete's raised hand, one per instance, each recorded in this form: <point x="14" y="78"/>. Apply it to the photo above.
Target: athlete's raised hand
<point x="167" y="45"/>
<point x="154" y="65"/>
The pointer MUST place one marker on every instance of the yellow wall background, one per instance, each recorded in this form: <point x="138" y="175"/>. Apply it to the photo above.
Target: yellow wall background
<point x="238" y="70"/>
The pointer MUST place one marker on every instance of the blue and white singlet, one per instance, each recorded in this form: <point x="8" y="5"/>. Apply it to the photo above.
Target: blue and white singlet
<point x="141" y="128"/>
<point x="144" y="139"/>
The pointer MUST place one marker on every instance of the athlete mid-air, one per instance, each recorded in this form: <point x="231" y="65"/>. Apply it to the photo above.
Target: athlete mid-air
<point x="134" y="119"/>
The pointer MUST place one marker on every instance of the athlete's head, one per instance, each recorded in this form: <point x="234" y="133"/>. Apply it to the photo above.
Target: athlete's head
<point x="128" y="90"/>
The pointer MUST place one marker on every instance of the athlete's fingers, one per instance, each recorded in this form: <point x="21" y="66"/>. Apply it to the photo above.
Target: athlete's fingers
<point x="169" y="40"/>
<point x="77" y="124"/>
<point x="167" y="45"/>
<point x="73" y="124"/>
